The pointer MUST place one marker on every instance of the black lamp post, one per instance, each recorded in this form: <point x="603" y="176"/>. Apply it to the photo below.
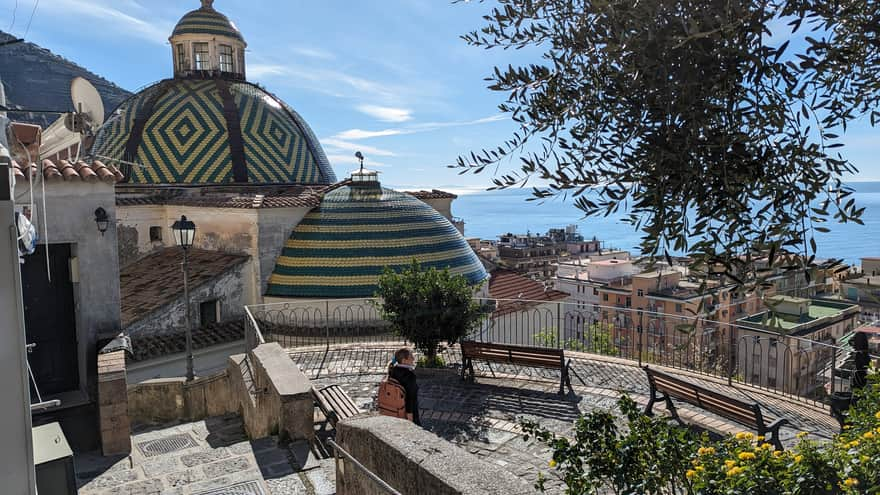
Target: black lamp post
<point x="184" y="234"/>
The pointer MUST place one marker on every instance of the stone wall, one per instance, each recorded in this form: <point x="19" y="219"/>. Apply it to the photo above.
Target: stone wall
<point x="414" y="461"/>
<point x="173" y="399"/>
<point x="113" y="404"/>
<point x="272" y="394"/>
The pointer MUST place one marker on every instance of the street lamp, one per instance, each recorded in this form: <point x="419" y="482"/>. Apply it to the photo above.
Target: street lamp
<point x="184" y="234"/>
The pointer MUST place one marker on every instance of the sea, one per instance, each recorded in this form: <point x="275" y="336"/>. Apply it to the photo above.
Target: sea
<point x="487" y="214"/>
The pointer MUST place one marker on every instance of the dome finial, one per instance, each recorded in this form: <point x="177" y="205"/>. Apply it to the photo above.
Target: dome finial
<point x="208" y="4"/>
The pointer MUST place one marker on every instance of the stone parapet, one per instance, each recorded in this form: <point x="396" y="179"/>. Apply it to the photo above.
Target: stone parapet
<point x="113" y="415"/>
<point x="166" y="400"/>
<point x="273" y="395"/>
<point x="414" y="461"/>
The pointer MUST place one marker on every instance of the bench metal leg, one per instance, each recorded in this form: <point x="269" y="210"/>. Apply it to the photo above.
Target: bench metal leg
<point x="652" y="398"/>
<point x="565" y="379"/>
<point x="773" y="430"/>
<point x="490" y="369"/>
<point x="671" y="408"/>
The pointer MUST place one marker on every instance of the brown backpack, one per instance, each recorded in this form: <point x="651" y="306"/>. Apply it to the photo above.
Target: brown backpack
<point x="392" y="398"/>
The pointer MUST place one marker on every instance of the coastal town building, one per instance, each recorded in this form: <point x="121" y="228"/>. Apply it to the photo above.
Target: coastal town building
<point x="806" y="328"/>
<point x="537" y="256"/>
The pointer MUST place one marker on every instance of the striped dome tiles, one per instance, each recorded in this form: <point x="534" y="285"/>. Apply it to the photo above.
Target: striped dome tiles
<point x="212" y="131"/>
<point x="206" y="20"/>
<point x="342" y="247"/>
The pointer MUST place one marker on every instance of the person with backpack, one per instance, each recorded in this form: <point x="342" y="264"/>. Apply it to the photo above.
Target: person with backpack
<point x="399" y="392"/>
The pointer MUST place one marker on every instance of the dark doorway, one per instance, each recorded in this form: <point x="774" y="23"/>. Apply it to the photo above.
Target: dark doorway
<point x="50" y="319"/>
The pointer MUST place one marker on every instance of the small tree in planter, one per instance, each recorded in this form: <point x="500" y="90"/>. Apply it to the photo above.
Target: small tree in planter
<point x="428" y="307"/>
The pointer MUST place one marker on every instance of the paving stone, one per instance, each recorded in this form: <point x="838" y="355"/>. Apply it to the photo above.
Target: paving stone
<point x="183" y="478"/>
<point x="194" y="459"/>
<point x="226" y="466"/>
<point x="287" y="485"/>
<point x="155" y="467"/>
<point x="142" y="487"/>
<point x="111" y="479"/>
<point x="302" y="456"/>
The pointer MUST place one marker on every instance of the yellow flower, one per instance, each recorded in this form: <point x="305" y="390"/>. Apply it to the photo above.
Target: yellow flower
<point x="798" y="458"/>
<point x="552" y="463"/>
<point x="777" y="453"/>
<point x="766" y="446"/>
<point x="706" y="451"/>
<point x="877" y="415"/>
<point x="700" y="469"/>
<point x="735" y="471"/>
<point x="869" y="435"/>
<point x="846" y="427"/>
<point x="744" y="435"/>
<point x="802" y="434"/>
<point x="864" y="458"/>
<point x="760" y="438"/>
<point x="729" y="464"/>
<point x="854" y="443"/>
<point x="746" y="456"/>
<point x="690" y="473"/>
<point x="850" y="482"/>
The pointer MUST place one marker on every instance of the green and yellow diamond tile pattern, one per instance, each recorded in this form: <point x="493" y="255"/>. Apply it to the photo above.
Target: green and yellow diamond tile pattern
<point x="185" y="136"/>
<point x="342" y="247"/>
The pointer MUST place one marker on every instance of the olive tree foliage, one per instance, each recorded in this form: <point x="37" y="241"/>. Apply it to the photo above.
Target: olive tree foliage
<point x="696" y="121"/>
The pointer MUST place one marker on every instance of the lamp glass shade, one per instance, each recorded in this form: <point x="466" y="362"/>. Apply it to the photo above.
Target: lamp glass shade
<point x="102" y="220"/>
<point x="184" y="232"/>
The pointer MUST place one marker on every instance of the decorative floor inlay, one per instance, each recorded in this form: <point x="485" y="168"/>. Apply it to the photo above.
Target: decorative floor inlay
<point x="165" y="445"/>
<point x="246" y="488"/>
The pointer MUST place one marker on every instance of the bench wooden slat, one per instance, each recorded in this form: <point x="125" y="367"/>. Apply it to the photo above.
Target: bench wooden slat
<point x="539" y="357"/>
<point x="729" y="407"/>
<point x="335" y="403"/>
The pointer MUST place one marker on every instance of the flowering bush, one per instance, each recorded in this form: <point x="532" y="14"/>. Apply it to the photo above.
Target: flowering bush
<point x="651" y="456"/>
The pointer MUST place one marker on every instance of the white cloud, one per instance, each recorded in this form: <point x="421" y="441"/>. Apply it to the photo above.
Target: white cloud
<point x="312" y="52"/>
<point x="386" y="114"/>
<point x="112" y="19"/>
<point x="338" y="144"/>
<point x="357" y="134"/>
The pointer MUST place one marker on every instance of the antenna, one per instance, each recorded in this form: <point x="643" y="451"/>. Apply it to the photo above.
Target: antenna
<point x="87" y="102"/>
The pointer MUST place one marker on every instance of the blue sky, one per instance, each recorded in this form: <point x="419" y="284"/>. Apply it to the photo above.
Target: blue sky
<point x="391" y="78"/>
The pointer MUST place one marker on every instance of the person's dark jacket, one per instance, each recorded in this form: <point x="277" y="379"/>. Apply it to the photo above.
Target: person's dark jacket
<point x="408" y="380"/>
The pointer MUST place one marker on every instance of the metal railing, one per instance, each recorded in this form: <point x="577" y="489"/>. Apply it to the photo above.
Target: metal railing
<point x="791" y="366"/>
<point x="340" y="453"/>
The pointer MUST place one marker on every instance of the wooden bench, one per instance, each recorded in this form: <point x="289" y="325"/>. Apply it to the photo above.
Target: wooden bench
<point x="538" y="357"/>
<point x="665" y="386"/>
<point x="335" y="404"/>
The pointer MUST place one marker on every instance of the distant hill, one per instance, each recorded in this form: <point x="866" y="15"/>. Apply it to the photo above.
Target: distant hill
<point x="36" y="78"/>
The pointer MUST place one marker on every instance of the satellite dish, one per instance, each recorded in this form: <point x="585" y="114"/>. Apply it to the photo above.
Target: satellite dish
<point x="69" y="129"/>
<point x="87" y="102"/>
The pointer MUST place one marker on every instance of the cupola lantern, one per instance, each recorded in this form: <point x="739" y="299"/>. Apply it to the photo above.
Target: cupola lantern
<point x="205" y="43"/>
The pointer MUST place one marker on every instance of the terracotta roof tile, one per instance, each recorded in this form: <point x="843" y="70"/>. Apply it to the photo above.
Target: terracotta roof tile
<point x="144" y="347"/>
<point x="58" y="169"/>
<point x="298" y="196"/>
<point x="152" y="281"/>
<point x="507" y="284"/>
<point x="432" y="194"/>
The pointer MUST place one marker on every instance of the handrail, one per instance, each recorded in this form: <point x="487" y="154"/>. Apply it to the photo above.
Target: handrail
<point x="379" y="481"/>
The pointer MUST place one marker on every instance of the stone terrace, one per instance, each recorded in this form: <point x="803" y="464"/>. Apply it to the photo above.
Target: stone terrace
<point x="481" y="417"/>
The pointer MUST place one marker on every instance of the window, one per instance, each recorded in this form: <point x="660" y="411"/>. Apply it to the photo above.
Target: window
<point x="640" y="293"/>
<point x="678" y="308"/>
<point x="208" y="312"/>
<point x="200" y="56"/>
<point x="226" y="59"/>
<point x="595" y="291"/>
<point x="181" y="57"/>
<point x="604" y="297"/>
<point x="155" y="234"/>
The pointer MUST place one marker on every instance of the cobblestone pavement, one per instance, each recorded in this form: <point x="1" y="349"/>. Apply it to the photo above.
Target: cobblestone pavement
<point x="204" y="457"/>
<point x="483" y="417"/>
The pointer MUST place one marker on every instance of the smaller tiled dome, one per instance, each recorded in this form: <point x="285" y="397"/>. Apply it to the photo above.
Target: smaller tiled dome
<point x="342" y="247"/>
<point x="206" y="20"/>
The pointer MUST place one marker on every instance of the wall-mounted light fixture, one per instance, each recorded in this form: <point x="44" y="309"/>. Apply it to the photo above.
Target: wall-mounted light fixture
<point x="102" y="220"/>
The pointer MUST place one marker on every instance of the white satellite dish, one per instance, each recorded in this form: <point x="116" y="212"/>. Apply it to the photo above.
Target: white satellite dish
<point x="87" y="102"/>
<point x="69" y="129"/>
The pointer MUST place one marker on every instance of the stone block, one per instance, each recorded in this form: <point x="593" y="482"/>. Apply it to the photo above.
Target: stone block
<point x="413" y="461"/>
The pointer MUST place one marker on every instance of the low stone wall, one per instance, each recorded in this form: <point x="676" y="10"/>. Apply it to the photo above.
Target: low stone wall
<point x="166" y="400"/>
<point x="272" y="394"/>
<point x="113" y="416"/>
<point x="414" y="461"/>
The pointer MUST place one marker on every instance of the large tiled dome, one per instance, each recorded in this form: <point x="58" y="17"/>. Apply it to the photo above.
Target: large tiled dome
<point x="211" y="131"/>
<point x="340" y="248"/>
